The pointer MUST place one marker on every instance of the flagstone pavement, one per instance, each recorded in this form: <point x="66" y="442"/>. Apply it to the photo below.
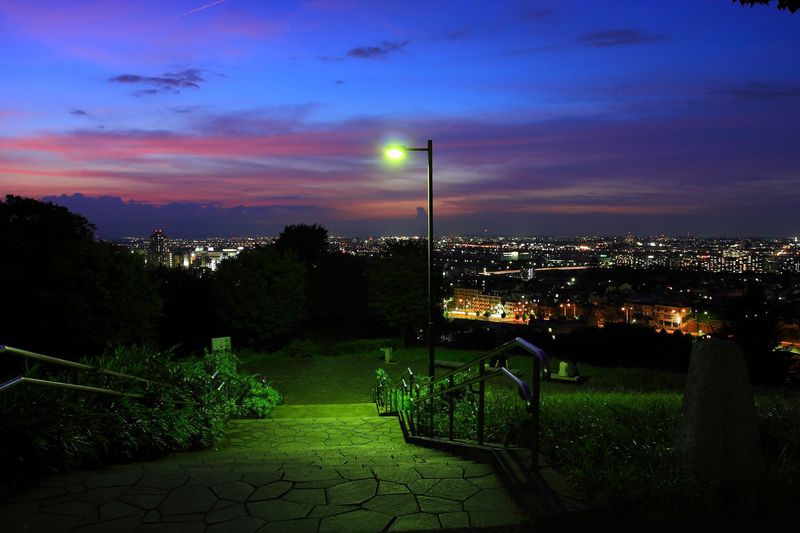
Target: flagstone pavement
<point x="311" y="469"/>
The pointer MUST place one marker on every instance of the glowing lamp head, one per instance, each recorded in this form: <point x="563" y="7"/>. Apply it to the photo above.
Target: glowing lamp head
<point x="395" y="153"/>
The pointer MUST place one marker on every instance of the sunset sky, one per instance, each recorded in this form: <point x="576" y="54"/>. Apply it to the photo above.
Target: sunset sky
<point x="548" y="117"/>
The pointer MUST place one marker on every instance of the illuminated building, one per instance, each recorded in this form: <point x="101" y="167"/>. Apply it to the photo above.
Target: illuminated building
<point x="158" y="253"/>
<point x="205" y="257"/>
<point x="474" y="302"/>
<point x="668" y="317"/>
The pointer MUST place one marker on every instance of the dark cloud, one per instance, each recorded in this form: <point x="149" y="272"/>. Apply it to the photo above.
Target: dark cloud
<point x="116" y="218"/>
<point x="339" y="82"/>
<point x="79" y="113"/>
<point x="185" y="109"/>
<point x="760" y="91"/>
<point x="149" y="92"/>
<point x="538" y="14"/>
<point x="490" y="28"/>
<point x="459" y="34"/>
<point x="170" y="82"/>
<point x="535" y="49"/>
<point x="421" y="221"/>
<point x="377" y="52"/>
<point x="255" y="122"/>
<point x="603" y="39"/>
<point x="329" y="59"/>
<point x="622" y="37"/>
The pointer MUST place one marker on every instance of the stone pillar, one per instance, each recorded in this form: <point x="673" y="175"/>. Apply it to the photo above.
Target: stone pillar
<point x="718" y="437"/>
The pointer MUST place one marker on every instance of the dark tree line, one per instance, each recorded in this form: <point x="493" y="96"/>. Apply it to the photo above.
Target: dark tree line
<point x="66" y="294"/>
<point x="398" y="286"/>
<point x="753" y="324"/>
<point x="63" y="292"/>
<point x="622" y="345"/>
<point x="791" y="5"/>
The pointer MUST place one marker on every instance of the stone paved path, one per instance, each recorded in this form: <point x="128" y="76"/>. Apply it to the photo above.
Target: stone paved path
<point x="288" y="474"/>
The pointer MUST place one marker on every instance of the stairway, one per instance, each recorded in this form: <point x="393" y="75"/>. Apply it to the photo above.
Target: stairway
<point x="322" y="468"/>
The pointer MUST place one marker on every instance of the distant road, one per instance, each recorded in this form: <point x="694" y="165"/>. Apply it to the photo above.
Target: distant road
<point x="502" y="272"/>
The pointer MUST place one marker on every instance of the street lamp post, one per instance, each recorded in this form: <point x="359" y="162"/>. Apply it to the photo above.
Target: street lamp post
<point x="396" y="153"/>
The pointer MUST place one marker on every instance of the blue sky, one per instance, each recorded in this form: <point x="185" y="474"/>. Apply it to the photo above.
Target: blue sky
<point x="235" y="116"/>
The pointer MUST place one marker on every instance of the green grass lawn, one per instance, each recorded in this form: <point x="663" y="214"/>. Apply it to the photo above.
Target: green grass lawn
<point x="344" y="378"/>
<point x="349" y="377"/>
<point x="612" y="435"/>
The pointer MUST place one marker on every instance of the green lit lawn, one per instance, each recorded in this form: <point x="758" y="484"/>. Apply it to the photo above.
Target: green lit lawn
<point x="613" y="435"/>
<point x="350" y="377"/>
<point x="346" y="378"/>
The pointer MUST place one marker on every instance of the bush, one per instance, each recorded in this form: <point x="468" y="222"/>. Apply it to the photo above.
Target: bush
<point x="366" y="346"/>
<point x="622" y="345"/>
<point x="58" y="429"/>
<point x="300" y="348"/>
<point x="84" y="294"/>
<point x="779" y="421"/>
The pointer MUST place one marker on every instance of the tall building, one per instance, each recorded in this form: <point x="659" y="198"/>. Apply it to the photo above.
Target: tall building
<point x="158" y="252"/>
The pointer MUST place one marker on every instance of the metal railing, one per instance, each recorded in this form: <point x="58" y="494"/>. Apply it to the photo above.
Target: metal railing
<point x="406" y="396"/>
<point x="73" y="365"/>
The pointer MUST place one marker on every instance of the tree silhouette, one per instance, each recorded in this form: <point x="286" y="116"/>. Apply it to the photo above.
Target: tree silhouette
<point x="188" y="319"/>
<point x="259" y="295"/>
<point x="397" y="285"/>
<point x="753" y="324"/>
<point x="308" y="242"/>
<point x="791" y="5"/>
<point x="337" y="292"/>
<point x="64" y="293"/>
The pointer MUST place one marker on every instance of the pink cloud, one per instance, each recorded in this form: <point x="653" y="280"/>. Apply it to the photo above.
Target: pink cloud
<point x="12" y="113"/>
<point x="568" y="167"/>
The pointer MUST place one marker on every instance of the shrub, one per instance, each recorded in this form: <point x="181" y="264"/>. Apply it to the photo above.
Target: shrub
<point x="300" y="348"/>
<point x="59" y="429"/>
<point x="366" y="346"/>
<point x="779" y="421"/>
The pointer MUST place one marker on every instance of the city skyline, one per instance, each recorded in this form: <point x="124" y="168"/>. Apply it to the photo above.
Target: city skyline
<point x="548" y="118"/>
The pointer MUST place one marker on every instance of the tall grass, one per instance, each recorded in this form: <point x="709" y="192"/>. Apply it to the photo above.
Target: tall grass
<point x="632" y="379"/>
<point x="618" y="448"/>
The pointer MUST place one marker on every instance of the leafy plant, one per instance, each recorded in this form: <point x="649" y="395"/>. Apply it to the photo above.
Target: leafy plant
<point x="185" y="407"/>
<point x="301" y="348"/>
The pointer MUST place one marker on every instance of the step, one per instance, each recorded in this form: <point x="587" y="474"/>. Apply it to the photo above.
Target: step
<point x="344" y="410"/>
<point x="289" y="498"/>
<point x="296" y="473"/>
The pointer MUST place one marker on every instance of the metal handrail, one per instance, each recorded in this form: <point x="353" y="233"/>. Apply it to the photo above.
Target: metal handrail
<point x="529" y="393"/>
<point x="78" y="366"/>
<point x="517" y="342"/>
<point x="383" y="395"/>
<point x="61" y="385"/>
<point x="72" y="364"/>
<point x="522" y="387"/>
